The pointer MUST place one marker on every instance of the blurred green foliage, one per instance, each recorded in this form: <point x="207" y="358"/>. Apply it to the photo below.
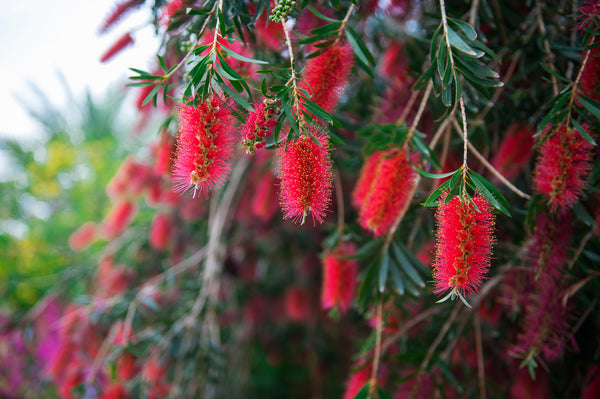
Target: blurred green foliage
<point x="52" y="186"/>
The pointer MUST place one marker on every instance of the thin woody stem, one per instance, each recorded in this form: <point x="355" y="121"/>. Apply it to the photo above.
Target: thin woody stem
<point x="576" y="83"/>
<point x="543" y="32"/>
<point x="377" y="355"/>
<point x="294" y="78"/>
<point x="344" y="23"/>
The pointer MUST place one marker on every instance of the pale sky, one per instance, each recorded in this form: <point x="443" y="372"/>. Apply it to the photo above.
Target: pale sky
<point x="40" y="37"/>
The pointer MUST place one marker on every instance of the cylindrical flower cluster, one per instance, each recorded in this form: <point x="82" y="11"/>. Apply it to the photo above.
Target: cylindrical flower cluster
<point x="384" y="190"/>
<point x="563" y="165"/>
<point x="204" y="145"/>
<point x="305" y="174"/>
<point x="465" y="236"/>
<point x="339" y="278"/>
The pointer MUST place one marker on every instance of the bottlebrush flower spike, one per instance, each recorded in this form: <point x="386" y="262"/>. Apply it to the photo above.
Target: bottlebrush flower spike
<point x="161" y="231"/>
<point x="390" y="193"/>
<point x="124" y="41"/>
<point x="464" y="244"/>
<point x="204" y="145"/>
<point x="305" y="174"/>
<point x="366" y="179"/>
<point x="83" y="237"/>
<point x="339" y="278"/>
<point x="515" y="151"/>
<point x="120" y="10"/>
<point x="118" y="219"/>
<point x="326" y="75"/>
<point x="258" y="126"/>
<point x="563" y="164"/>
<point x="590" y="77"/>
<point x="357" y="381"/>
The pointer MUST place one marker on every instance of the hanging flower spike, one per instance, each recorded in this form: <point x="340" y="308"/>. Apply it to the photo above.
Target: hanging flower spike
<point x="339" y="278"/>
<point x="123" y="42"/>
<point x="305" y="174"/>
<point x="258" y="126"/>
<point x="563" y="165"/>
<point x="365" y="180"/>
<point x="326" y="75"/>
<point x="390" y="193"/>
<point x="464" y="244"/>
<point x="204" y="146"/>
<point x="589" y="15"/>
<point x="590" y="77"/>
<point x="120" y="10"/>
<point x="515" y="151"/>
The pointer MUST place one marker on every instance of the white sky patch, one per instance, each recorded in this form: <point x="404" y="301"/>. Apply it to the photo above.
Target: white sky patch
<point x="40" y="37"/>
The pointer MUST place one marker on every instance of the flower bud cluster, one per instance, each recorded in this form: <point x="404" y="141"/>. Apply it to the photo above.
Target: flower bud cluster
<point x="259" y="125"/>
<point x="282" y="10"/>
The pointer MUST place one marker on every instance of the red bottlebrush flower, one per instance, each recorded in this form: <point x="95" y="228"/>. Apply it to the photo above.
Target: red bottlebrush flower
<point x="120" y="10"/>
<point x="524" y="387"/>
<point x="127" y="367"/>
<point x="366" y="179"/>
<point x="562" y="168"/>
<point x="124" y="41"/>
<point x="305" y="174"/>
<point x="259" y="124"/>
<point x="326" y="75"/>
<point x="204" y="145"/>
<point x="464" y="244"/>
<point x="591" y="387"/>
<point x="545" y="323"/>
<point x="393" y="182"/>
<point x="162" y="162"/>
<point x="263" y="204"/>
<point x="83" y="237"/>
<point x="118" y="219"/>
<point x="339" y="278"/>
<point x="115" y="391"/>
<point x="357" y="381"/>
<point x="297" y="304"/>
<point x="589" y="15"/>
<point x="161" y="231"/>
<point x="169" y="10"/>
<point x="111" y="280"/>
<point x="267" y="32"/>
<point x="515" y="150"/>
<point x="590" y="77"/>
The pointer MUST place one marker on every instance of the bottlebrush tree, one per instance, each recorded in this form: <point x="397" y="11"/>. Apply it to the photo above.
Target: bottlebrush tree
<point x="279" y="240"/>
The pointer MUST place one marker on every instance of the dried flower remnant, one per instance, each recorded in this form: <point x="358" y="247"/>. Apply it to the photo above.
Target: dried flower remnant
<point x="562" y="168"/>
<point x="464" y="244"/>
<point x="326" y="75"/>
<point x="204" y="145"/>
<point x="123" y="42"/>
<point x="305" y="174"/>
<point x="258" y="126"/>
<point x="339" y="278"/>
<point x="120" y="10"/>
<point x="390" y="193"/>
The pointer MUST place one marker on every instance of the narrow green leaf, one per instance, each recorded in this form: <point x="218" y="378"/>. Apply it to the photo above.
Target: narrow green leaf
<point x="490" y="187"/>
<point x="583" y="215"/>
<point x="434" y="175"/>
<point x="433" y="44"/>
<point x="432" y="199"/>
<point x="582" y="132"/>
<point x="383" y="394"/>
<point x="472" y="78"/>
<point x="590" y="106"/>
<point x="468" y="30"/>
<point x="237" y="98"/>
<point x="318" y="14"/>
<point x="442" y="60"/>
<point x="472" y="65"/>
<point x="161" y="62"/>
<point x="420" y="145"/>
<point x="151" y="96"/>
<point x="424" y="78"/>
<point x="383" y="270"/>
<point x="241" y="57"/>
<point x="397" y="277"/>
<point x="356" y="48"/>
<point x="447" y="96"/>
<point x="325" y="30"/>
<point x="290" y="117"/>
<point x="406" y="266"/>
<point x="362" y="45"/>
<point x="316" y="110"/>
<point x="484" y="190"/>
<point x="363" y="393"/>
<point x="458" y="43"/>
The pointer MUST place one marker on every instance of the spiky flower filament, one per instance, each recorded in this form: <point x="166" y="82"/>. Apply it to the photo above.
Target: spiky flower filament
<point x="464" y="244"/>
<point x="258" y="126"/>
<point x="386" y="186"/>
<point x="204" y="145"/>
<point x="305" y="174"/>
<point x="326" y="75"/>
<point x="563" y="164"/>
<point x="339" y="278"/>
